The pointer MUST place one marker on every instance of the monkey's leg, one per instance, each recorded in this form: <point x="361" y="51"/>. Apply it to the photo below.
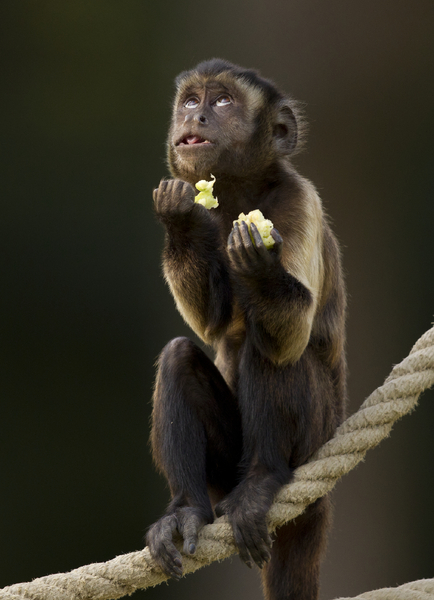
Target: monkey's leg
<point x="293" y="571"/>
<point x="196" y="442"/>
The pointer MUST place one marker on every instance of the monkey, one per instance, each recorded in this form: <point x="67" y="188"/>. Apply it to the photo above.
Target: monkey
<point x="228" y="434"/>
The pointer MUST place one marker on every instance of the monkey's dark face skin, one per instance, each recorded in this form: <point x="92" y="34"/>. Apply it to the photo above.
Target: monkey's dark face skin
<point x="227" y="435"/>
<point x="209" y="132"/>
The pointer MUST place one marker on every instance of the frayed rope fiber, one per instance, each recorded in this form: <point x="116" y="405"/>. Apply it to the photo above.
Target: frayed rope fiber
<point x="127" y="573"/>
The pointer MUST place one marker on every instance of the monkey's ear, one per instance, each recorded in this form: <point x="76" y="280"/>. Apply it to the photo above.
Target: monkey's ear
<point x="285" y="131"/>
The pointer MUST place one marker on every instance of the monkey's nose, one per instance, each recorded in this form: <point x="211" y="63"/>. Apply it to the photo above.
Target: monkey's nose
<point x="197" y="118"/>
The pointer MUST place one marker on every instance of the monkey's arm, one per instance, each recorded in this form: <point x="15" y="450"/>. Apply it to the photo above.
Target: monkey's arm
<point x="193" y="263"/>
<point x="279" y="306"/>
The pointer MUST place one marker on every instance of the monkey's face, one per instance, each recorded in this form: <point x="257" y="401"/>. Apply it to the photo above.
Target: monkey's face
<point x="213" y="124"/>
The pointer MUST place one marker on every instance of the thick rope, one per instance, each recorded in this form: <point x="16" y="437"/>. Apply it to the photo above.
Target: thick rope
<point x="363" y="430"/>
<point x="416" y="590"/>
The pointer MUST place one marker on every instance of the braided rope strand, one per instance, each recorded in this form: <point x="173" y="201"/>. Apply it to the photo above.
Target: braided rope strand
<point x="416" y="590"/>
<point x="364" y="430"/>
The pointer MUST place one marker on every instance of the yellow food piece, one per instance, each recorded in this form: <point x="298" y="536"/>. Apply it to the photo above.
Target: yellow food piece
<point x="264" y="226"/>
<point x="205" y="196"/>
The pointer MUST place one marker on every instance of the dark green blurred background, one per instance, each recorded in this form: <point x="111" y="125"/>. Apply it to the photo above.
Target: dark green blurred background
<point x="85" y="101"/>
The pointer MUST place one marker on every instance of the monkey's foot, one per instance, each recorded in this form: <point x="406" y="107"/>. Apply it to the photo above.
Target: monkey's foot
<point x="184" y="523"/>
<point x="250" y="530"/>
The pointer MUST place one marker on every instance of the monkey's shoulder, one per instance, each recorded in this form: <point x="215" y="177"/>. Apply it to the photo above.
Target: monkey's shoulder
<point x="295" y="208"/>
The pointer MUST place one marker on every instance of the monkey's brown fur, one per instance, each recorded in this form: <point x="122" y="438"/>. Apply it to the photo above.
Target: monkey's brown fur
<point x="232" y="432"/>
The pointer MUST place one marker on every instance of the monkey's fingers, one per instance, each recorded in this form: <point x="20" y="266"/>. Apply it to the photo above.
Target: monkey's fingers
<point x="259" y="242"/>
<point x="278" y="242"/>
<point x="238" y="239"/>
<point x="184" y="194"/>
<point x="163" y="185"/>
<point x="236" y="248"/>
<point x="231" y="246"/>
<point x="169" y="560"/>
<point x="265" y="542"/>
<point x="162" y="548"/>
<point x="190" y="522"/>
<point x="159" y="195"/>
<point x="258" y="542"/>
<point x="245" y="238"/>
<point x="242" y="546"/>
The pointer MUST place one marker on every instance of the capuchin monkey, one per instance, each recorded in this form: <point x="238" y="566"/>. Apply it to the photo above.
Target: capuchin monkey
<point x="228" y="434"/>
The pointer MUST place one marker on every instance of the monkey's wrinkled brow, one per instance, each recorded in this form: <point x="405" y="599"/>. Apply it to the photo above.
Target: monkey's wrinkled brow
<point x="189" y="90"/>
<point x="214" y="86"/>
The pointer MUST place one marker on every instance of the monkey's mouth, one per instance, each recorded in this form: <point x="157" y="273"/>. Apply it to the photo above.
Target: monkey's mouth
<point x="192" y="140"/>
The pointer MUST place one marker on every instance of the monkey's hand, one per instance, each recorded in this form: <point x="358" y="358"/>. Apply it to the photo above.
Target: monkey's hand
<point x="174" y="199"/>
<point x="251" y="258"/>
<point x="248" y="519"/>
<point x="183" y="524"/>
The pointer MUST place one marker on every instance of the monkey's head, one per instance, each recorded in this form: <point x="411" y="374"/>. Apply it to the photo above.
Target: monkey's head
<point x="230" y="122"/>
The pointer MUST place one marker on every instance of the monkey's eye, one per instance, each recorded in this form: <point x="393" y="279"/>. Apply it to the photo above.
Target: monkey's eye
<point x="191" y="102"/>
<point x="223" y="100"/>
